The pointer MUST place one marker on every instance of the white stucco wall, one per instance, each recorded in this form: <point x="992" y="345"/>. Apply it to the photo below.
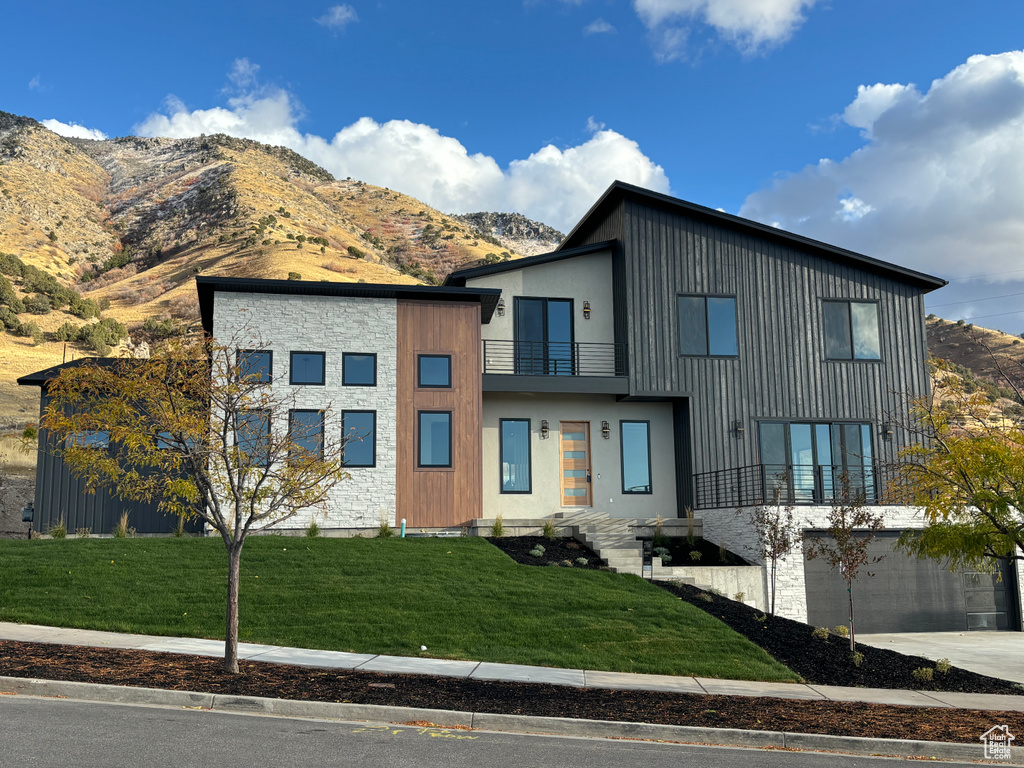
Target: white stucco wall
<point x="333" y="325"/>
<point x="581" y="278"/>
<point x="545" y="499"/>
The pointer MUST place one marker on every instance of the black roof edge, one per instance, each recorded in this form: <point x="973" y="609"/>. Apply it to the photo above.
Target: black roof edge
<point x="623" y="189"/>
<point x="40" y="378"/>
<point x="460" y="276"/>
<point x="208" y="286"/>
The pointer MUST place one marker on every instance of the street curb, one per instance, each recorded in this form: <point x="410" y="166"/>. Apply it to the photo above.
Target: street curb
<point x="552" y="726"/>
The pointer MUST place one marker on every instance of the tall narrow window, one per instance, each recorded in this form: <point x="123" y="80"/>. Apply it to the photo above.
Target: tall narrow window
<point x="255" y="365"/>
<point x="307" y="368"/>
<point x="515" y="456"/>
<point x="359" y="369"/>
<point x="707" y="326"/>
<point x="359" y="431"/>
<point x="635" y="443"/>
<point x="434" y="371"/>
<point x="306" y="433"/>
<point x="435" y="438"/>
<point x="851" y="330"/>
<point x="252" y="436"/>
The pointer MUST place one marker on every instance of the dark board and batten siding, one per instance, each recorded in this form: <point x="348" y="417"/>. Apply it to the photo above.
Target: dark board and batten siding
<point x="781" y="372"/>
<point x="62" y="496"/>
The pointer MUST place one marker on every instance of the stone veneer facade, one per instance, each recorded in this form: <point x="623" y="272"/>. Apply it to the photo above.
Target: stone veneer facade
<point x="333" y="325"/>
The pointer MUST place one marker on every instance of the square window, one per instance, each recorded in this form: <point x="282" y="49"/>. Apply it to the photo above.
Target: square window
<point x="359" y="431"/>
<point x="434" y="371"/>
<point x="851" y="330"/>
<point x="306" y="433"/>
<point x="252" y="437"/>
<point x="359" y="369"/>
<point x="255" y="366"/>
<point x="515" y="456"/>
<point x="435" y="438"/>
<point x="307" y="368"/>
<point x="707" y="326"/>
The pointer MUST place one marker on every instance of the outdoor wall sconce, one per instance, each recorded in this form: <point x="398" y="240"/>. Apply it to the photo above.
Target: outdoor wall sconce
<point x="887" y="432"/>
<point x="543" y="429"/>
<point x="606" y="430"/>
<point x="501" y="307"/>
<point x="586" y="310"/>
<point x="737" y="429"/>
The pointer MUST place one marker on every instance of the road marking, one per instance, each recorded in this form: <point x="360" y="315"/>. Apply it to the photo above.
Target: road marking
<point x="434" y="733"/>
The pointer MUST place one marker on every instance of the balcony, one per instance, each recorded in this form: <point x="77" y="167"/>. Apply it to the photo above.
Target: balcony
<point x="788" y="484"/>
<point x="554" y="366"/>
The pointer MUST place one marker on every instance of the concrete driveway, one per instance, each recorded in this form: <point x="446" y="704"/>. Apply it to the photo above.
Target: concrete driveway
<point x="996" y="654"/>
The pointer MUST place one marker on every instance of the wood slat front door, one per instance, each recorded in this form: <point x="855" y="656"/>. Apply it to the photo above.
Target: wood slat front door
<point x="574" y="453"/>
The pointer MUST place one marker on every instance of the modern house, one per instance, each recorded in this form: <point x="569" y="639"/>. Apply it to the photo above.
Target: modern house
<point x="666" y="360"/>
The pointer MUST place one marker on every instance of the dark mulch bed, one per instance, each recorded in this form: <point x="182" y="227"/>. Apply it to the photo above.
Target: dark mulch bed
<point x="698" y="552"/>
<point x="197" y="673"/>
<point x="564" y="552"/>
<point x="828" y="662"/>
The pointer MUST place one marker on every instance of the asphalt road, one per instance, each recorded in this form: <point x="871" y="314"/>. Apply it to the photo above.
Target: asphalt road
<point x="45" y="733"/>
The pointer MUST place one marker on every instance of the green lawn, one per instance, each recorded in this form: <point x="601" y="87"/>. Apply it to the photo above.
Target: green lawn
<point x="462" y="598"/>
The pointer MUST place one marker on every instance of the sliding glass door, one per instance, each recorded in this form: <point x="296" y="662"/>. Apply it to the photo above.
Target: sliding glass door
<point x="543" y="336"/>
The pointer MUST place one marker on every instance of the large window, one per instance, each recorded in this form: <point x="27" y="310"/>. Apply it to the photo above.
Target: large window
<point x="307" y="368"/>
<point x="707" y="326"/>
<point x="635" y="443"/>
<point x="252" y="435"/>
<point x="515" y="456"/>
<point x="359" y="369"/>
<point x="818" y="462"/>
<point x="435" y="438"/>
<point x="306" y="432"/>
<point x="434" y="371"/>
<point x="543" y="336"/>
<point x="359" y="431"/>
<point x="255" y="365"/>
<point x="851" y="330"/>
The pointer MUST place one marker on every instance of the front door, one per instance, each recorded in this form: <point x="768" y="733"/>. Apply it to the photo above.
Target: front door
<point x="574" y="438"/>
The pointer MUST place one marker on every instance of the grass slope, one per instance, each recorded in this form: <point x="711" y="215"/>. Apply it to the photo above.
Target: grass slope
<point x="461" y="598"/>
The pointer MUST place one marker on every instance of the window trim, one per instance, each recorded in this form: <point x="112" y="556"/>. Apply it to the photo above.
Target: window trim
<point x="419" y="441"/>
<point x="266" y="458"/>
<point x="344" y="369"/>
<point x="622" y="459"/>
<point x="707" y="325"/>
<point x="373" y="443"/>
<point x="849" y="326"/>
<point x="270" y="364"/>
<point x="529" y="456"/>
<point x="323" y="369"/>
<point x="451" y="372"/>
<point x="291" y="418"/>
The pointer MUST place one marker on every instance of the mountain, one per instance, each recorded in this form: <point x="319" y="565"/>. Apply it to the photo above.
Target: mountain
<point x="125" y="224"/>
<point x="514" y="231"/>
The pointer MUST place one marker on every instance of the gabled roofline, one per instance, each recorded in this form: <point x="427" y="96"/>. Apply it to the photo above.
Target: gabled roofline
<point x="620" y="190"/>
<point x="459" y="277"/>
<point x="208" y="286"/>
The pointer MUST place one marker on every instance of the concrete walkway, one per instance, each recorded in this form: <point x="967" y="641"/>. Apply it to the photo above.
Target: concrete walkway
<point x="996" y="654"/>
<point x="508" y="672"/>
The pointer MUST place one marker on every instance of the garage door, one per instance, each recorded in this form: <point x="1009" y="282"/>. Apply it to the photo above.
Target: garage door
<point x="910" y="595"/>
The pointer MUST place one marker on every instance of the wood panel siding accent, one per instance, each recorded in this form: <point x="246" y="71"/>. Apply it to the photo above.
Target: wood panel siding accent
<point x="781" y="372"/>
<point x="435" y="497"/>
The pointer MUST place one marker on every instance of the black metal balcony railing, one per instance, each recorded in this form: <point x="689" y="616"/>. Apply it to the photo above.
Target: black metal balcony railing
<point x="796" y="484"/>
<point x="554" y="358"/>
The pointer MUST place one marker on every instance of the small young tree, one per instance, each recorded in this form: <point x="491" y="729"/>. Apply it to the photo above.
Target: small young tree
<point x="199" y="428"/>
<point x="777" y="534"/>
<point x="851" y="529"/>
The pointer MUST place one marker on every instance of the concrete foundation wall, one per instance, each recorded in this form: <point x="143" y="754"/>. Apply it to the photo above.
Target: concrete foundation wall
<point x="728" y="580"/>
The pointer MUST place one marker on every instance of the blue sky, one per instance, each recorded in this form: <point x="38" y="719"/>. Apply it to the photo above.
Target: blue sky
<point x="892" y="128"/>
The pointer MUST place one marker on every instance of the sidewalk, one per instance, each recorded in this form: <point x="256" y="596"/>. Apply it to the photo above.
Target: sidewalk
<point x="509" y="672"/>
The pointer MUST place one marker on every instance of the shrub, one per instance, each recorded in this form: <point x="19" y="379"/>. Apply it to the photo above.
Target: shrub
<point x="294" y="276"/>
<point x="8" y="297"/>
<point x="31" y="331"/>
<point x="38" y="304"/>
<point x="121" y="528"/>
<point x="923" y="674"/>
<point x="9" y="320"/>
<point x="567" y="563"/>
<point x="857" y="658"/>
<point x="83" y="533"/>
<point x="739" y="597"/>
<point x="842" y="630"/>
<point x="58" y="530"/>
<point x="549" y="530"/>
<point x="11" y="265"/>
<point x="66" y="332"/>
<point x="384" y="530"/>
<point x="497" y="528"/>
<point x="355" y="252"/>
<point x="581" y="561"/>
<point x="821" y="633"/>
<point x="695" y="555"/>
<point x="312" y="530"/>
<point x="943" y="666"/>
<point x="537" y="551"/>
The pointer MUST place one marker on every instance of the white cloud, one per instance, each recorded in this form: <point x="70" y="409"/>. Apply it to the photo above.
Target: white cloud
<point x="598" y="27"/>
<point x="243" y="73"/>
<point x="73" y="130"/>
<point x="338" y="17"/>
<point x="593" y="126"/>
<point x="553" y="185"/>
<point x="35" y="83"/>
<point x="938" y="184"/>
<point x="751" y="25"/>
